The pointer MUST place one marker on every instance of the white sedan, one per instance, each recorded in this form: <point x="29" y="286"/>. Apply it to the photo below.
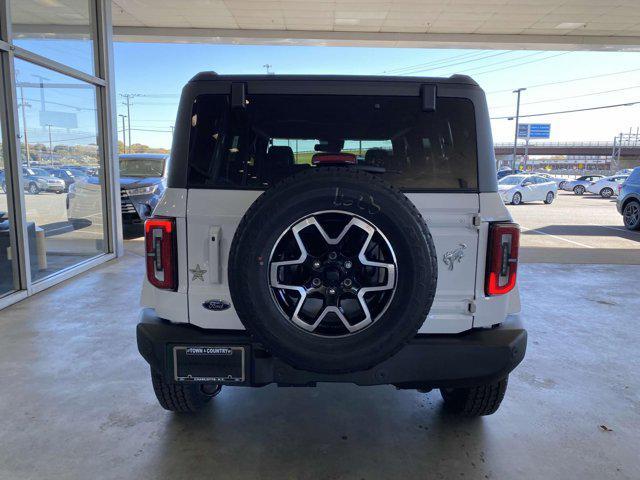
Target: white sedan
<point x="516" y="189"/>
<point x="607" y="187"/>
<point x="559" y="180"/>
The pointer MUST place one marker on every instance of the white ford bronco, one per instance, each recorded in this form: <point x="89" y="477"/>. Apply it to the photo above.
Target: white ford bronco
<point x="331" y="229"/>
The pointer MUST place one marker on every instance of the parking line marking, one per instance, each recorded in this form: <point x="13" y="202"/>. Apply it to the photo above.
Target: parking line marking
<point x="555" y="236"/>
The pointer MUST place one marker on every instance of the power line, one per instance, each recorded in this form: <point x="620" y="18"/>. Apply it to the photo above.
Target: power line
<point x="150" y="130"/>
<point x="156" y="103"/>
<point x="523" y="63"/>
<point x="628" y="104"/>
<point x="591" y="94"/>
<point x="432" y="62"/>
<point x="502" y="61"/>
<point x="568" y="81"/>
<point x="458" y="63"/>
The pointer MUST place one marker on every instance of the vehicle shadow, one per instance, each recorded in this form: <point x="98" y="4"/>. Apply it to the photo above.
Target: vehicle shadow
<point x="598" y="198"/>
<point x="132" y="231"/>
<point x="617" y="231"/>
<point x="333" y="431"/>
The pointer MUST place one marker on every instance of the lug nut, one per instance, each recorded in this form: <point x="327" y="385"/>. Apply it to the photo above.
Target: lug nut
<point x="316" y="282"/>
<point x="348" y="264"/>
<point x="333" y="256"/>
<point x="347" y="282"/>
<point x="316" y="264"/>
<point x="332" y="291"/>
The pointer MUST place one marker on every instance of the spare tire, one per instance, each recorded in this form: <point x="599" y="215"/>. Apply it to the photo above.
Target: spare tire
<point x="333" y="270"/>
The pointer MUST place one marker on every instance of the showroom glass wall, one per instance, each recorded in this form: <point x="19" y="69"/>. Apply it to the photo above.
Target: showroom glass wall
<point x="60" y="184"/>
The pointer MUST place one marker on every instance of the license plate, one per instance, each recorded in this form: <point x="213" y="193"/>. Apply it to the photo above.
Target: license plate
<point x="209" y="363"/>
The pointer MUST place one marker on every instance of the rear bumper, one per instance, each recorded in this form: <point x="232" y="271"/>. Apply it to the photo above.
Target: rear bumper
<point x="429" y="361"/>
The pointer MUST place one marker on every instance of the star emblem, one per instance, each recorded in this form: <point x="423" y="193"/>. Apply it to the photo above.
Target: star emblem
<point x="198" y="273"/>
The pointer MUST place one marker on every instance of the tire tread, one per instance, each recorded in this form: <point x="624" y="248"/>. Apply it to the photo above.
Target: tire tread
<point x="476" y="401"/>
<point x="176" y="397"/>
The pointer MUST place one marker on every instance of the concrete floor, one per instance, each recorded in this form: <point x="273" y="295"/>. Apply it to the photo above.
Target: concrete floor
<point x="76" y="401"/>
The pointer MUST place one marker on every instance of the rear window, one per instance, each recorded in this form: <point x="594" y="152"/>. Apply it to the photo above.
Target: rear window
<point x="277" y="135"/>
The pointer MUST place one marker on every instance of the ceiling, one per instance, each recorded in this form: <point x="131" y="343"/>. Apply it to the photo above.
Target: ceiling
<point x="533" y="24"/>
<point x="535" y="17"/>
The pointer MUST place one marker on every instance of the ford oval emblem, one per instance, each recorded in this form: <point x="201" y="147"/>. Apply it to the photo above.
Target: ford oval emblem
<point x="216" y="305"/>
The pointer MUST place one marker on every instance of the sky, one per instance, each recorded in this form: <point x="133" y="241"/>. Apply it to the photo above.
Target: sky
<point x="155" y="74"/>
<point x="158" y="72"/>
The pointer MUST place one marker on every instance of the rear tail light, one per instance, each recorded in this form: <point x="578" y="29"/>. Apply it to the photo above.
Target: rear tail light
<point x="160" y="252"/>
<point x="502" y="261"/>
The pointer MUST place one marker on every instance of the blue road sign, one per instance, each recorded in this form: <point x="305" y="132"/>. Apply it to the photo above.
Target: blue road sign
<point x="534" y="130"/>
<point x="523" y="130"/>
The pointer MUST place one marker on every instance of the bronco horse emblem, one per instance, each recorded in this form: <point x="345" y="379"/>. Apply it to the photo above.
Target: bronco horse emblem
<point x="455" y="255"/>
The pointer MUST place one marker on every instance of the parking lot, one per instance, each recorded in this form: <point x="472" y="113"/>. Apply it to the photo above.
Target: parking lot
<point x="575" y="229"/>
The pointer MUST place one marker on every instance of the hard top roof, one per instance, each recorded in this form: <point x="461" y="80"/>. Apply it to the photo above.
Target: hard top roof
<point x="453" y="79"/>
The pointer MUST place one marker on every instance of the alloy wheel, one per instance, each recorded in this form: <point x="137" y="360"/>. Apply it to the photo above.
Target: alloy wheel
<point x="517" y="198"/>
<point x="631" y="215"/>
<point x="332" y="273"/>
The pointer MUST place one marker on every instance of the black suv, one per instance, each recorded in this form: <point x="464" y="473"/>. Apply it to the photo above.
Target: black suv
<point x="628" y="203"/>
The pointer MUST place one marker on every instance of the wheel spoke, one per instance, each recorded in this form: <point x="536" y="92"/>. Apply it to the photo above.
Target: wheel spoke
<point x="389" y="267"/>
<point x="327" y="274"/>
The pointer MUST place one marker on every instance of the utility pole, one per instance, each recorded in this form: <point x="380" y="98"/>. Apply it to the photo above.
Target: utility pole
<point x="124" y="131"/>
<point x="127" y="102"/>
<point x="515" y="137"/>
<point x="42" y="102"/>
<point x="50" y="145"/>
<point x="24" y="104"/>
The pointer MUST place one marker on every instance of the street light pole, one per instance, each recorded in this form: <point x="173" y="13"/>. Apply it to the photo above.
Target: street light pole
<point x="515" y="137"/>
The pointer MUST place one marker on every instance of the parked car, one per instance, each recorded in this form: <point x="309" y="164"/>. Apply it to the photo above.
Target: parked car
<point x="628" y="202"/>
<point x="624" y="171"/>
<point x="607" y="187"/>
<point x="559" y="180"/>
<point x="38" y="180"/>
<point x="580" y="184"/>
<point x="516" y="189"/>
<point x="63" y="174"/>
<point x="79" y="173"/>
<point x="503" y="172"/>
<point x="327" y="264"/>
<point x="142" y="182"/>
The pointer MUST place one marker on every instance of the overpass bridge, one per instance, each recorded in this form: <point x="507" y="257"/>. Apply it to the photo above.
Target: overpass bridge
<point x="587" y="149"/>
